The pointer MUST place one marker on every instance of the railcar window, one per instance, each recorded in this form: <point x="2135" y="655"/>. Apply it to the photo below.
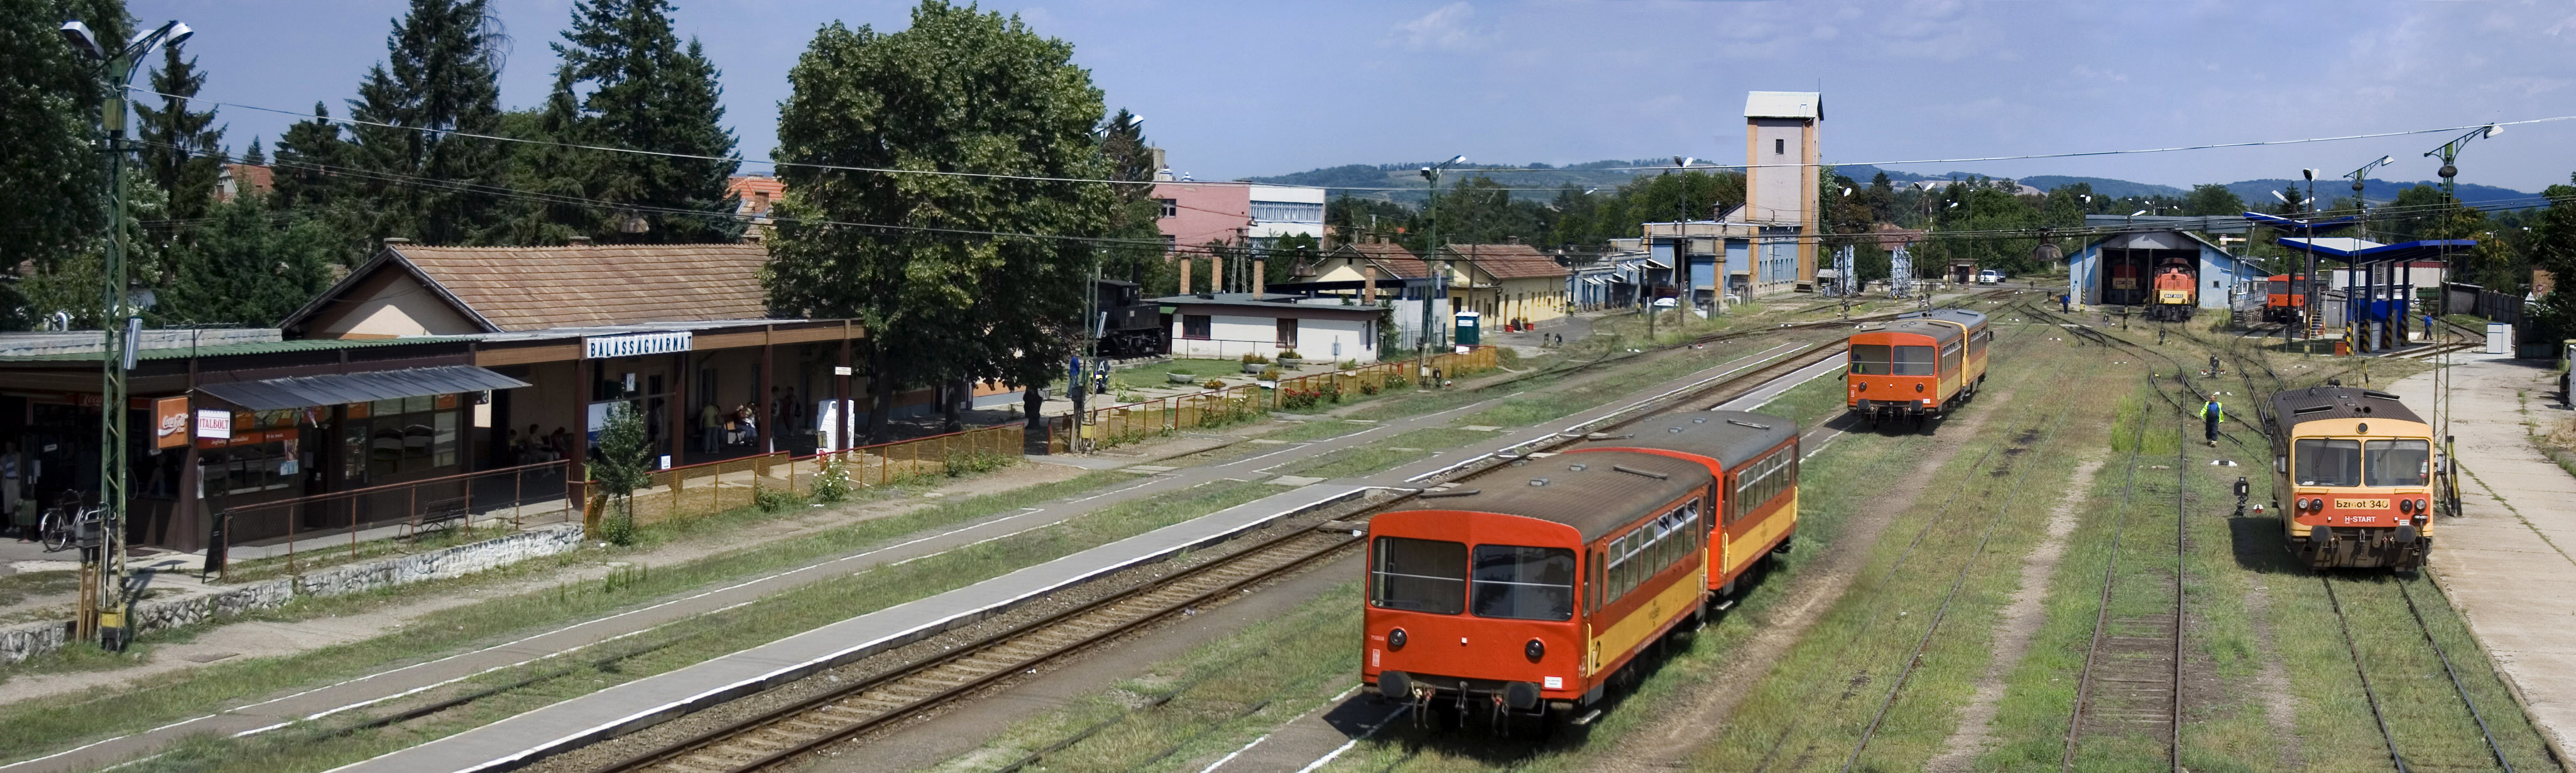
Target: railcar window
<point x="1950" y="359"/>
<point x="2326" y="462"/>
<point x="2280" y="287"/>
<point x="1524" y="583"/>
<point x="2396" y="462"/>
<point x="1419" y="575"/>
<point x="1871" y="360"/>
<point x="1913" y="360"/>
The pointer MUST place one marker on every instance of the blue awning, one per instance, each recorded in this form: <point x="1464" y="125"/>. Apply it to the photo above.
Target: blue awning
<point x="2352" y="250"/>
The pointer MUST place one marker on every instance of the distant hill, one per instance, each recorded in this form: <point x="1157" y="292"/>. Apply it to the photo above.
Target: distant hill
<point x="1354" y="179"/>
<point x="2259" y="192"/>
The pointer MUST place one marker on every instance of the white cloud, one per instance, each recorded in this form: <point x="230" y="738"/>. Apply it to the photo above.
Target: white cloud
<point x="1447" y="28"/>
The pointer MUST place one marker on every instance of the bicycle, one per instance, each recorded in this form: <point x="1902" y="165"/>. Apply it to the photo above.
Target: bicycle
<point x="67" y="526"/>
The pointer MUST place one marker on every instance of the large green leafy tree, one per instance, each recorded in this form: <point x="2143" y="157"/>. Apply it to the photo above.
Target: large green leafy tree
<point x="248" y="264"/>
<point x="314" y="180"/>
<point x="552" y="170"/>
<point x="441" y="75"/>
<point x="643" y="89"/>
<point x="2212" y="199"/>
<point x="956" y="275"/>
<point x="52" y="178"/>
<point x="1978" y="221"/>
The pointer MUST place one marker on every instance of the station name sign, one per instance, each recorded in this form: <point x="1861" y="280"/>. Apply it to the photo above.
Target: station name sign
<point x="634" y="345"/>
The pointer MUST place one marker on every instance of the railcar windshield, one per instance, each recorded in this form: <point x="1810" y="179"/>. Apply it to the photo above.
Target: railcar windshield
<point x="1524" y="583"/>
<point x="1871" y="360"/>
<point x="2397" y="462"/>
<point x="1913" y="360"/>
<point x="1419" y="575"/>
<point x="2280" y="287"/>
<point x="2328" y="462"/>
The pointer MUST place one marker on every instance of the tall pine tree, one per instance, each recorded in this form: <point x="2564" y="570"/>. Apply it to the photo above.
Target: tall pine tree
<point x="646" y="91"/>
<point x="182" y="149"/>
<point x="441" y="75"/>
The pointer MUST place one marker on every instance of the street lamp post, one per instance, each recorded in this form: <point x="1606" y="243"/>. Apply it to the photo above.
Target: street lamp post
<point x="1439" y="284"/>
<point x="119" y="324"/>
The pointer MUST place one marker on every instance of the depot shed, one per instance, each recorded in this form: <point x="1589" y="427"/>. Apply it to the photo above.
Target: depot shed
<point x="2119" y="269"/>
<point x="1230" y="325"/>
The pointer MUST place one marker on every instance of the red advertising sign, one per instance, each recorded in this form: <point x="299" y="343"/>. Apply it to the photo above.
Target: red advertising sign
<point x="170" y="422"/>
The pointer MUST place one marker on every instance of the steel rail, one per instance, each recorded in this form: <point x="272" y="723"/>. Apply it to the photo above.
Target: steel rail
<point x="2345" y="622"/>
<point x="2456" y="685"/>
<point x="2102" y="611"/>
<point x="1007" y="666"/>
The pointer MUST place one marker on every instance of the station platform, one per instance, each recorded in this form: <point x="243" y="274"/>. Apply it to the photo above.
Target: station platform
<point x="2508" y="562"/>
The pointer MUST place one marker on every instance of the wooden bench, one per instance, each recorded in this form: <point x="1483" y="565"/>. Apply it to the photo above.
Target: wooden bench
<point x="440" y="512"/>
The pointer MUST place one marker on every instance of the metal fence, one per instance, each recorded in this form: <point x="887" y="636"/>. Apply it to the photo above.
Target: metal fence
<point x="2462" y="298"/>
<point x="521" y="496"/>
<point x="714" y="487"/>
<point x="1120" y="424"/>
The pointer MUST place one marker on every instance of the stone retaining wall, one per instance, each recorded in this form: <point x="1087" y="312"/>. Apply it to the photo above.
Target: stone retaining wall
<point x="19" y="642"/>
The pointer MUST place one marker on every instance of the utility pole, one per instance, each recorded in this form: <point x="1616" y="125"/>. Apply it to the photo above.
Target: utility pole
<point x="120" y="323"/>
<point x="1438" y="280"/>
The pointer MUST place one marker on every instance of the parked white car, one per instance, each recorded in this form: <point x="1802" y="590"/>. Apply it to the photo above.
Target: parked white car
<point x="1989" y="277"/>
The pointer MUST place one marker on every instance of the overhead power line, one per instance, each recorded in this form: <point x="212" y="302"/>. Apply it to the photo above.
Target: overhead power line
<point x="1043" y="178"/>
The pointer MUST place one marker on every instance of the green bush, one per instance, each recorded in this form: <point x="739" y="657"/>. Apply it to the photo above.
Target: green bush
<point x="964" y="463"/>
<point x="1252" y="358"/>
<point x="771" y="500"/>
<point x="618" y="529"/>
<point x="833" y="485"/>
<point x="1214" y="384"/>
<point x="1506" y="356"/>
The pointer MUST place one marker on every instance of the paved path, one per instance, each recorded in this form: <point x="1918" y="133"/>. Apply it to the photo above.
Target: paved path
<point x="621" y="708"/>
<point x="2509" y="561"/>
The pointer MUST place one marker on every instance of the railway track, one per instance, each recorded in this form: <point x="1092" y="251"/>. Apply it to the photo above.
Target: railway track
<point x="2139" y="660"/>
<point x="788" y="732"/>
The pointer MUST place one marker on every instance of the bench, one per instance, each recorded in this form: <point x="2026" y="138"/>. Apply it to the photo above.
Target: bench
<point x="440" y="512"/>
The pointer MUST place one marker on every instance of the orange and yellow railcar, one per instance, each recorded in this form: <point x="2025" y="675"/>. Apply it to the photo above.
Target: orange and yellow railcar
<point x="1921" y="365"/>
<point x="1525" y="596"/>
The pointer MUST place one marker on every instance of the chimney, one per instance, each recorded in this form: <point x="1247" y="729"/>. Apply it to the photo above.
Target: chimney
<point x="1368" y="285"/>
<point x="1259" y="272"/>
<point x="1185" y="274"/>
<point x="391" y="241"/>
<point x="1216" y="273"/>
<point x="581" y="241"/>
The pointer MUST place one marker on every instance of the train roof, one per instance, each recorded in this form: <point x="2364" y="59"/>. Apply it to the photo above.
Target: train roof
<point x="1730" y="437"/>
<point x="2294" y="407"/>
<point x="1936" y="323"/>
<point x="1609" y="490"/>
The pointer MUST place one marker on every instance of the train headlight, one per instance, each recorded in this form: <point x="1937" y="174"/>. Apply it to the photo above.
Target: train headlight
<point x="1864" y="386"/>
<point x="1918" y="386"/>
<point x="2406" y="505"/>
<point x="1535" y="649"/>
<point x="1395" y="639"/>
<point x="2422" y="506"/>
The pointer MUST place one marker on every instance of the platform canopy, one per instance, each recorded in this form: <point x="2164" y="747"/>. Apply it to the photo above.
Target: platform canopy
<point x="2309" y="225"/>
<point x="2353" y="250"/>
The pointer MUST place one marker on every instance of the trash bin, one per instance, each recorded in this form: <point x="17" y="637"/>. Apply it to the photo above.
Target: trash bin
<point x="1468" y="328"/>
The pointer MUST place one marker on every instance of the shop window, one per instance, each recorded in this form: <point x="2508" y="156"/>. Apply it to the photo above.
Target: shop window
<point x="1199" y="326"/>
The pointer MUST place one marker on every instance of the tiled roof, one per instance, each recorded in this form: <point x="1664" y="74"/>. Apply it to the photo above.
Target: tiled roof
<point x="748" y="187"/>
<point x="534" y="288"/>
<point x="1506" y="261"/>
<point x="1390" y="258"/>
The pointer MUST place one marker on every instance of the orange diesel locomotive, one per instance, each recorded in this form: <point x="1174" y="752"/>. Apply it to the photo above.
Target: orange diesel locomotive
<point x="2177" y="292"/>
<point x="1527" y="595"/>
<point x="1920" y="365"/>
<point x="2285" y="298"/>
<point x="1755" y="460"/>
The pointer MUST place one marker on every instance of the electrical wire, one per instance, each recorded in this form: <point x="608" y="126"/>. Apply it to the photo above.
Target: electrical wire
<point x="1039" y="178"/>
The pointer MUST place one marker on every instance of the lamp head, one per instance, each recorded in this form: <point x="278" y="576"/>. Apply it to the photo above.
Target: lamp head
<point x="77" y="35"/>
<point x="2493" y="130"/>
<point x="1458" y="159"/>
<point x="179" y="32"/>
<point x="2277" y="195"/>
<point x="2308" y="174"/>
<point x="2137" y="213"/>
<point x="2385" y="160"/>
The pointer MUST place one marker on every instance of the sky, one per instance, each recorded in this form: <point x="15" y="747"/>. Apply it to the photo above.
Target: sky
<point x="1234" y="89"/>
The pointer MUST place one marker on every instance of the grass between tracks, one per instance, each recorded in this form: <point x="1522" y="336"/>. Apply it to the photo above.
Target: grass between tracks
<point x="697" y="639"/>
